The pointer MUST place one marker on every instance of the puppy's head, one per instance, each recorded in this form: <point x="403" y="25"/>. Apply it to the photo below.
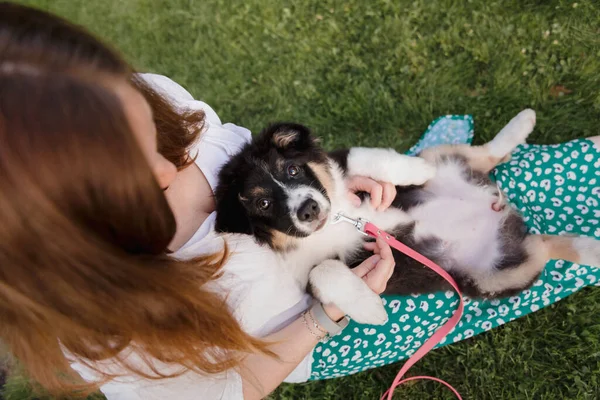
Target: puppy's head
<point x="278" y="188"/>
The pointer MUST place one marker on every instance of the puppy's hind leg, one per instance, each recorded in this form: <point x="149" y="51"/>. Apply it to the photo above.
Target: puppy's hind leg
<point x="478" y="158"/>
<point x="578" y="249"/>
<point x="539" y="250"/>
<point x="511" y="277"/>
<point x="512" y="135"/>
<point x="332" y="282"/>
<point x="485" y="158"/>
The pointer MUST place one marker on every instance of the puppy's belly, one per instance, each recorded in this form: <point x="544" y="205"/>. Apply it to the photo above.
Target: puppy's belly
<point x="468" y="228"/>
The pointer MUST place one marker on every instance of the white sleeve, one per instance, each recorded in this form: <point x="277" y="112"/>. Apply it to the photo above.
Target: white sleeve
<point x="188" y="386"/>
<point x="226" y="386"/>
<point x="182" y="99"/>
<point x="178" y="96"/>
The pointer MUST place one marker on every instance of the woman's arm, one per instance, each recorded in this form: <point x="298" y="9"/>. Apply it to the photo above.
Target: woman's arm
<point x="261" y="374"/>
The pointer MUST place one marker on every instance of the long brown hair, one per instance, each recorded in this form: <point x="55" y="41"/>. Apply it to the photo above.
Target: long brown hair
<point x="85" y="227"/>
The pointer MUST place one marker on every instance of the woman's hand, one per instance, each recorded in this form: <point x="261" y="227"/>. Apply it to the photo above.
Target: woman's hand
<point x="377" y="269"/>
<point x="382" y="193"/>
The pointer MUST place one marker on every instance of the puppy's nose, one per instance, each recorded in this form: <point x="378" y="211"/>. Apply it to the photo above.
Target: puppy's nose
<point x="308" y="211"/>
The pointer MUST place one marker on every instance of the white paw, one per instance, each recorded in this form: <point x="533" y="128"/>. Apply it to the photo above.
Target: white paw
<point x="415" y="171"/>
<point x="513" y="134"/>
<point x="522" y="125"/>
<point x="365" y="307"/>
<point x="589" y="251"/>
<point x="332" y="282"/>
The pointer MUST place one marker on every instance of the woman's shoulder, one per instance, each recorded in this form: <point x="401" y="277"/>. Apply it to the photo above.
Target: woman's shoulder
<point x="231" y="135"/>
<point x="178" y="95"/>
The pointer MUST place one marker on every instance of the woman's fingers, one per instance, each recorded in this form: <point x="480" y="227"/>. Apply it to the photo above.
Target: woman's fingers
<point x="366" y="266"/>
<point x="371" y="246"/>
<point x="354" y="199"/>
<point x="378" y="276"/>
<point x="382" y="194"/>
<point x="388" y="195"/>
<point x="384" y="249"/>
<point x="364" y="184"/>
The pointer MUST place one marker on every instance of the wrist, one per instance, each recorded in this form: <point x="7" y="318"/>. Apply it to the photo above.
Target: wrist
<point x="334" y="313"/>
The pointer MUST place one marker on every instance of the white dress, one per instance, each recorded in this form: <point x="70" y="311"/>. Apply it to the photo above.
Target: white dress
<point x="261" y="297"/>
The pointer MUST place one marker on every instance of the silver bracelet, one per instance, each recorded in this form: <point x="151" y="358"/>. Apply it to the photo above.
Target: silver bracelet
<point x="321" y="317"/>
<point x="317" y="326"/>
<point x="305" y="322"/>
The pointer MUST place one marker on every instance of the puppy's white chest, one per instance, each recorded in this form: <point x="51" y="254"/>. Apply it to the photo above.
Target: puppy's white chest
<point x="331" y="242"/>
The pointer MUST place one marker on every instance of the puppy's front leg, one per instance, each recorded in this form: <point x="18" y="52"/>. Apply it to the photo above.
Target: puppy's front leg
<point x="332" y="282"/>
<point x="386" y="165"/>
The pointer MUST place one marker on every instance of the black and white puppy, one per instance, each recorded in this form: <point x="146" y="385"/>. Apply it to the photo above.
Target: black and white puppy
<point x="283" y="189"/>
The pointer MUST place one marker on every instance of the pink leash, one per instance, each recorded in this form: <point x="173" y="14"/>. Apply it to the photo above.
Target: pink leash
<point x="369" y="229"/>
<point x="373" y="231"/>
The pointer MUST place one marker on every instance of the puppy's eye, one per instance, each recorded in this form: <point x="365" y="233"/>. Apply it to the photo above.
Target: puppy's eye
<point x="264" y="204"/>
<point x="293" y="170"/>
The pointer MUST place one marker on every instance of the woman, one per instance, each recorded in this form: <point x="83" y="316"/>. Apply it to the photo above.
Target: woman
<point x="90" y="203"/>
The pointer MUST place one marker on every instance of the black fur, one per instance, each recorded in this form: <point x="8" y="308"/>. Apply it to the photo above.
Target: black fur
<point x="408" y="197"/>
<point x="512" y="235"/>
<point x="231" y="214"/>
<point x="341" y="158"/>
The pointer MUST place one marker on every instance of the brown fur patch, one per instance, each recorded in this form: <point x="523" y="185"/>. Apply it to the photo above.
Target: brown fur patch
<point x="258" y="191"/>
<point x="282" y="242"/>
<point x="478" y="157"/>
<point x="280" y="164"/>
<point x="323" y="175"/>
<point x="561" y="248"/>
<point x="283" y="139"/>
<point x="483" y="161"/>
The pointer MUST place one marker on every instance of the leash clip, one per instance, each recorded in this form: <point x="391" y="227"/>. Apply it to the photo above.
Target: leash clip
<point x="359" y="223"/>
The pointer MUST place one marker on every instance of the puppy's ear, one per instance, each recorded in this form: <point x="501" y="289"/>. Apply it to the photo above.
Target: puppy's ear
<point x="231" y="214"/>
<point x="287" y="136"/>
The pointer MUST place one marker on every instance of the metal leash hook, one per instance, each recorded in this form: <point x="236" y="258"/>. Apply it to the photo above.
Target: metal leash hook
<point x="359" y="223"/>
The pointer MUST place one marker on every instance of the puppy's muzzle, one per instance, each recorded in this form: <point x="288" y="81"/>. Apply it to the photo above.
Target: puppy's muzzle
<point x="308" y="211"/>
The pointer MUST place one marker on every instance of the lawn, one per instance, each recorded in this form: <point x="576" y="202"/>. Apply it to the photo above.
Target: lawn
<point x="375" y="73"/>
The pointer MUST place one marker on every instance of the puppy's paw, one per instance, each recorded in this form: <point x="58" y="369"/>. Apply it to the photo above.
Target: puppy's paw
<point x="332" y="282"/>
<point x="522" y="125"/>
<point x="513" y="134"/>
<point x="412" y="171"/>
<point x="589" y="250"/>
<point x="365" y="308"/>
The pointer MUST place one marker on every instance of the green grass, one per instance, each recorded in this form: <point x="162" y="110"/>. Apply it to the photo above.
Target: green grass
<point x="376" y="73"/>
